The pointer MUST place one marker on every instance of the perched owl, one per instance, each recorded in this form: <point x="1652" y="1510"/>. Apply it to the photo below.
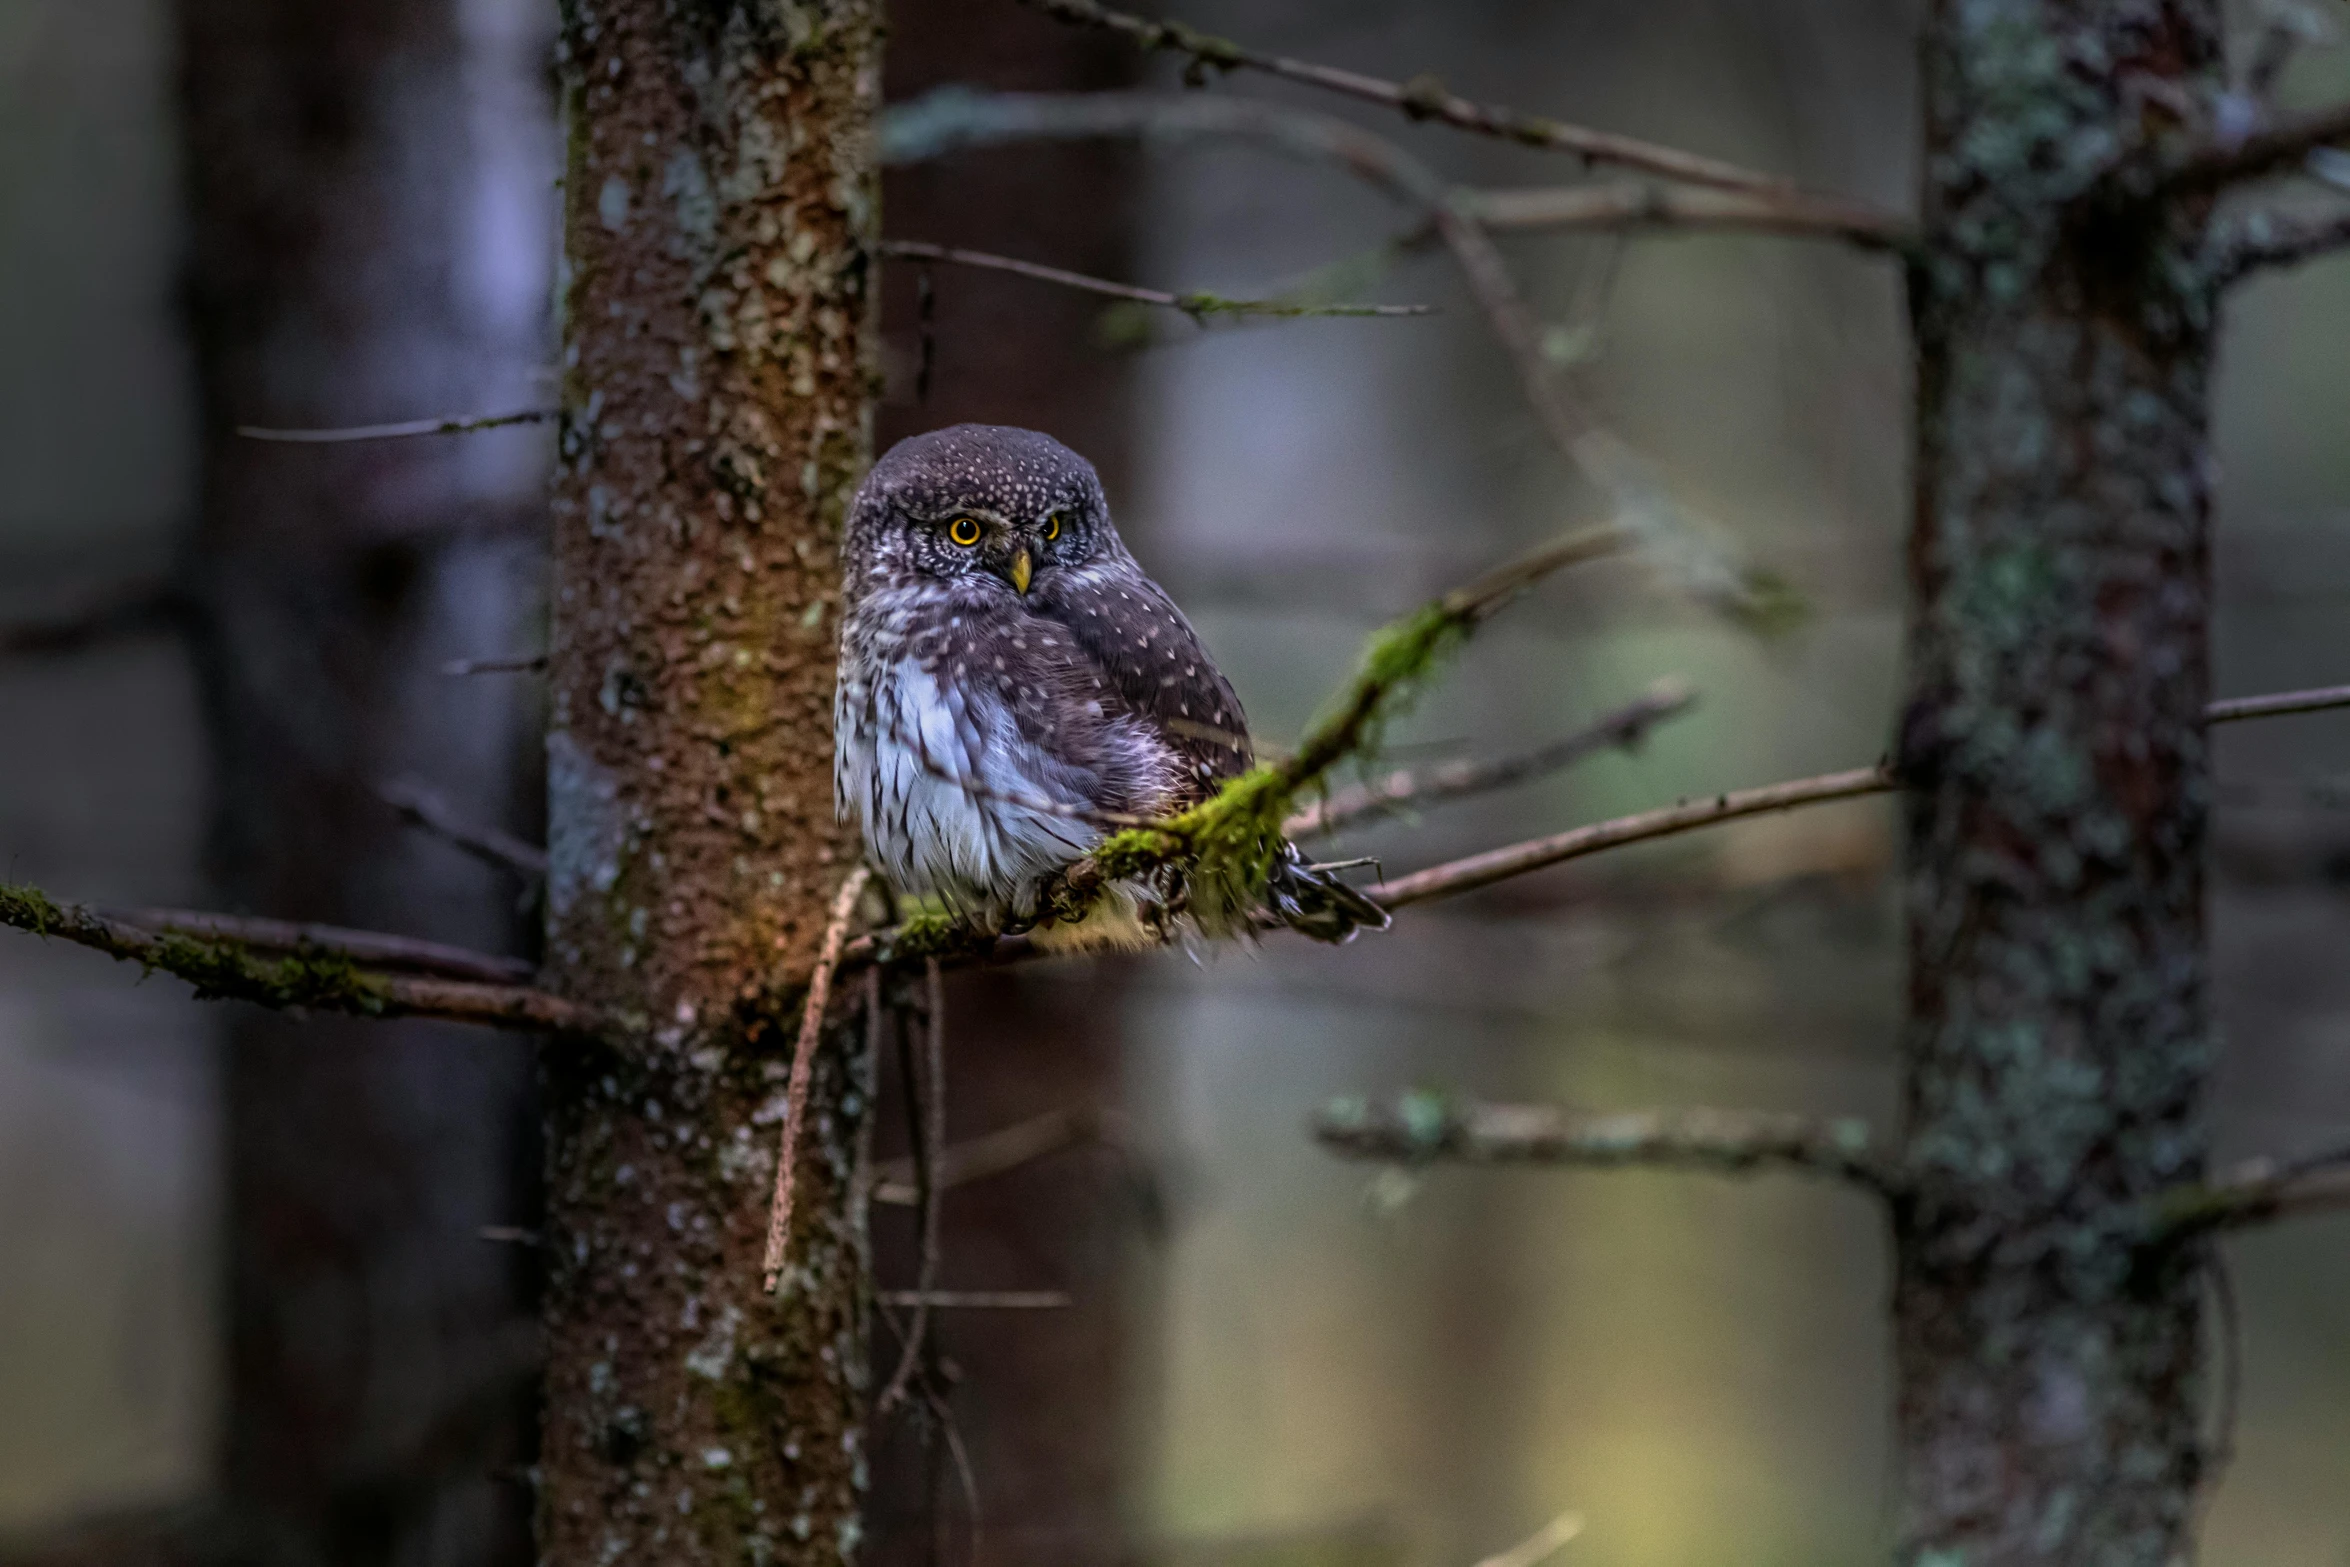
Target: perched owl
<point x="1008" y="677"/>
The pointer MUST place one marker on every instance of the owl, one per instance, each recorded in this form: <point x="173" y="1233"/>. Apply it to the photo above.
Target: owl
<point x="1010" y="682"/>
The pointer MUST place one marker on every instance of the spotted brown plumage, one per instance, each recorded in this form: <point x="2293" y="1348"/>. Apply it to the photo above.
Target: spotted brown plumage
<point x="1010" y="681"/>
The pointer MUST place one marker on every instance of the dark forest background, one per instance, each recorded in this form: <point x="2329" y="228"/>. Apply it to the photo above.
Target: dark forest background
<point x="244" y="1282"/>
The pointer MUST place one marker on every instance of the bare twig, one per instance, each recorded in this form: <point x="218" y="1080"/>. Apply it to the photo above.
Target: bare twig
<point x="2224" y="161"/>
<point x="1199" y="306"/>
<point x="1482" y="870"/>
<point x="460" y="424"/>
<point x="994" y="1153"/>
<point x="1423" y="1128"/>
<point x="1378" y="683"/>
<point x="1421" y="98"/>
<point x="1541" y="1545"/>
<point x="425" y="808"/>
<point x="803" y="1072"/>
<point x="529" y="664"/>
<point x="2255" y="241"/>
<point x="2278" y="704"/>
<point x="126" y="610"/>
<point x="314" y="978"/>
<point x="985" y="1300"/>
<point x="926" y="1110"/>
<point x="1639" y="205"/>
<point x="2257" y="1192"/>
<point x="367" y="948"/>
<point x="1623" y="729"/>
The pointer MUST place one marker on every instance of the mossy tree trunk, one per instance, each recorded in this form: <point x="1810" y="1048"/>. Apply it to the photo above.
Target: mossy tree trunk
<point x="2059" y="1045"/>
<point x="718" y="361"/>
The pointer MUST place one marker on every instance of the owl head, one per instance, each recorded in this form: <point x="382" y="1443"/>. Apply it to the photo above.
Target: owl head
<point x="982" y="508"/>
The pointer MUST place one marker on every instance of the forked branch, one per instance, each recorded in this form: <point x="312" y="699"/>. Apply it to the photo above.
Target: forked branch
<point x="1425" y="1128"/>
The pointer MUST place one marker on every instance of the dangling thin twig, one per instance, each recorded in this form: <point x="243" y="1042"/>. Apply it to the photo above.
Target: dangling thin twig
<point x="927" y="1110"/>
<point x="803" y="1071"/>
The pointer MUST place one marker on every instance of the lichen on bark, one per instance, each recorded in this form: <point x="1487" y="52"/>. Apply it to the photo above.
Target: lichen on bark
<point x="718" y="365"/>
<point x="2058" y="1044"/>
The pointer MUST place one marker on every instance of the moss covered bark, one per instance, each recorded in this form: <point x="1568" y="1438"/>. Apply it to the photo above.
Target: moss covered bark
<point x="718" y="372"/>
<point x="2058" y="1045"/>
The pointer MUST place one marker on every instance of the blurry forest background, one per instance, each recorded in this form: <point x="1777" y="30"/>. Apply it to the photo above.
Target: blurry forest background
<point x="240" y="1256"/>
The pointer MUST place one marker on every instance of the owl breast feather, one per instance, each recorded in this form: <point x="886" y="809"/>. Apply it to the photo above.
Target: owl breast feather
<point x="912" y="746"/>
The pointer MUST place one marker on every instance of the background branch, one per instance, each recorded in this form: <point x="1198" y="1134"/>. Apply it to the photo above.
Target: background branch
<point x="459" y="424"/>
<point x="2258" y="1192"/>
<point x="318" y="978"/>
<point x="1643" y="205"/>
<point x="1623" y="729"/>
<point x="1421" y="98"/>
<point x="424" y="807"/>
<point x="367" y="948"/>
<point x="1482" y="870"/>
<point x="2254" y="241"/>
<point x="1201" y="307"/>
<point x="2223" y="162"/>
<point x="128" y="609"/>
<point x="1423" y="1128"/>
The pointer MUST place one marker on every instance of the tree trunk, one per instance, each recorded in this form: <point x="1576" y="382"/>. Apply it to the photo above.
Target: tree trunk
<point x="338" y="160"/>
<point x="2058" y="1045"/>
<point x="718" y="353"/>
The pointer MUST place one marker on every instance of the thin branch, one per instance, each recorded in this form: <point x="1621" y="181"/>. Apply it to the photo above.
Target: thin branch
<point x="309" y="978"/>
<point x="366" y="948"/>
<point x="2254" y="241"/>
<point x="926" y="1108"/>
<point x="2257" y="1192"/>
<point x="1199" y="306"/>
<point x="460" y="424"/>
<point x="1425" y="1128"/>
<point x="1541" y="1545"/>
<point x="425" y="807"/>
<point x="1639" y="205"/>
<point x="1482" y="870"/>
<point x="2278" y="704"/>
<point x="803" y="1072"/>
<point x="986" y="1300"/>
<point x="2226" y="161"/>
<point x="1624" y="729"/>
<point x="126" y="610"/>
<point x="529" y="664"/>
<point x="999" y="1152"/>
<point x="1421" y="98"/>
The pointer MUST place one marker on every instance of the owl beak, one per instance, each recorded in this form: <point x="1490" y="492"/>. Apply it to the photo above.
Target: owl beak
<point x="1021" y="570"/>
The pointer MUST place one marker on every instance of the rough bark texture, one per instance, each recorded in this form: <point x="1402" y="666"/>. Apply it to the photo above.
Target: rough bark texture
<point x="2059" y="1037"/>
<point x="337" y="157"/>
<point x="718" y="375"/>
<point x="1045" y="1400"/>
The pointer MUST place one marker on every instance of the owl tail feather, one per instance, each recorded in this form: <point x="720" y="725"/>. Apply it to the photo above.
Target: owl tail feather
<point x="1316" y="904"/>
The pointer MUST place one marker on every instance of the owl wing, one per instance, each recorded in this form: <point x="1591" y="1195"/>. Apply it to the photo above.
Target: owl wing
<point x="1147" y="657"/>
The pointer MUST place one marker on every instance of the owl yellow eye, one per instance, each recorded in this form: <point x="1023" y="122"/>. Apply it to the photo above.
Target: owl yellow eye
<point x="964" y="531"/>
<point x="1052" y="527"/>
